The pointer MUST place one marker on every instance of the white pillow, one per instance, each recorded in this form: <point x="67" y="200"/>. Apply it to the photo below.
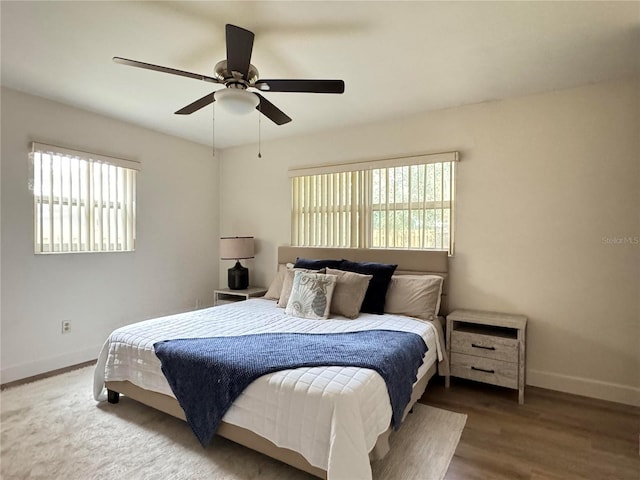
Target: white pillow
<point x="276" y="284"/>
<point x="414" y="296"/>
<point x="311" y="295"/>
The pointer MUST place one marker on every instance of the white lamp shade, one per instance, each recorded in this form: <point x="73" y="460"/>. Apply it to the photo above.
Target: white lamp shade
<point x="235" y="248"/>
<point x="236" y="100"/>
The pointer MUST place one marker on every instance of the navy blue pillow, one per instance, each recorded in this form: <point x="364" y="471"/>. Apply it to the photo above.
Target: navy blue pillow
<point x="377" y="292"/>
<point x="312" y="264"/>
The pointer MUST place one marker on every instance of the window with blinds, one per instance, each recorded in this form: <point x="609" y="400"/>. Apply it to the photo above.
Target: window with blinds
<point x="403" y="203"/>
<point x="83" y="202"/>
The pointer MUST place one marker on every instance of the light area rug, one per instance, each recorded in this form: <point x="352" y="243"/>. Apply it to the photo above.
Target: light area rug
<point x="53" y="429"/>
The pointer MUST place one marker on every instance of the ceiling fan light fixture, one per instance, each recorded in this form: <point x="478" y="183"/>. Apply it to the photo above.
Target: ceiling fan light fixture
<point x="237" y="101"/>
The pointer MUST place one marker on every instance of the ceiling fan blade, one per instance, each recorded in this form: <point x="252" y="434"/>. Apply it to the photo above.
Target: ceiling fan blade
<point x="239" y="48"/>
<point x="272" y="112"/>
<point x="304" y="86"/>
<point x="197" y="105"/>
<point x="159" y="68"/>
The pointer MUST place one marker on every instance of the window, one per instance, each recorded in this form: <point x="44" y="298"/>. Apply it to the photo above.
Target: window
<point x="394" y="203"/>
<point x="82" y="202"/>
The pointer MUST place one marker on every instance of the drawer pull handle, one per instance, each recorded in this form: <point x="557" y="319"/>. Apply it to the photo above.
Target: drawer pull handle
<point x="482" y="346"/>
<point x="483" y="370"/>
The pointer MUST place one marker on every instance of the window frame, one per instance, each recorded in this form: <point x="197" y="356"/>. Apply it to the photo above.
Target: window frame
<point x="364" y="224"/>
<point x="82" y="202"/>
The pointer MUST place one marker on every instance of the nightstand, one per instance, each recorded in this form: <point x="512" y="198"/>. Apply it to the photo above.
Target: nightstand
<point x="487" y="347"/>
<point x="226" y="295"/>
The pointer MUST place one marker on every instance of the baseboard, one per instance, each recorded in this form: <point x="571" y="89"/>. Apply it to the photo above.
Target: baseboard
<point x="613" y="392"/>
<point x="38" y="367"/>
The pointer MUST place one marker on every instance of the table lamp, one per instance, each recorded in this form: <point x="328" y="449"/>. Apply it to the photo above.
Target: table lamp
<point x="237" y="248"/>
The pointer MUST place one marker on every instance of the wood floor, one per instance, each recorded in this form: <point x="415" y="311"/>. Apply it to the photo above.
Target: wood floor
<point x="552" y="436"/>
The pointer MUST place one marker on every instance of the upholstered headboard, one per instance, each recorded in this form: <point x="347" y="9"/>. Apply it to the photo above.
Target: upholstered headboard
<point x="414" y="262"/>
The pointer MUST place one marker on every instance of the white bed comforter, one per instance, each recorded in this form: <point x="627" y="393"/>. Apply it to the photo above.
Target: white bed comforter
<point x="330" y="415"/>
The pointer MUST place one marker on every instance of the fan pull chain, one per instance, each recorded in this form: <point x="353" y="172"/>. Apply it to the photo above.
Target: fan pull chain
<point x="213" y="130"/>
<point x="259" y="129"/>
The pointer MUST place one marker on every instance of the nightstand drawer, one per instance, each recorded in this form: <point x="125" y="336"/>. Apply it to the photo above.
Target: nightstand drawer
<point x="495" y="372"/>
<point x="488" y="346"/>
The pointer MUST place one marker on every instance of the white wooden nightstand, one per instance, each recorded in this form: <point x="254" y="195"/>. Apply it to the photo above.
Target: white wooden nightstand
<point x="226" y="295"/>
<point x="487" y="347"/>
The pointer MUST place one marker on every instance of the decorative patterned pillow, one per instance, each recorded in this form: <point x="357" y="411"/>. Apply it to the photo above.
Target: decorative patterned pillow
<point x="349" y="292"/>
<point x="311" y="295"/>
<point x="287" y="284"/>
<point x="414" y="296"/>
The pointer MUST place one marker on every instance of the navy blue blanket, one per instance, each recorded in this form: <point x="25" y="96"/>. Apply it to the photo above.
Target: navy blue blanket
<point x="208" y="374"/>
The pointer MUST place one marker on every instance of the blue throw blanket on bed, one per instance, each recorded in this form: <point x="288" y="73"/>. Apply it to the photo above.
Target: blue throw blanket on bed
<point x="208" y="374"/>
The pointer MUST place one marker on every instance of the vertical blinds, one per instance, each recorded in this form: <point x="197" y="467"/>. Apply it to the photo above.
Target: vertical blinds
<point x="83" y="202"/>
<point x="329" y="209"/>
<point x="392" y="203"/>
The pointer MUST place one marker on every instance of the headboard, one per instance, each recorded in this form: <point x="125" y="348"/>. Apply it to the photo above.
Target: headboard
<point x="410" y="262"/>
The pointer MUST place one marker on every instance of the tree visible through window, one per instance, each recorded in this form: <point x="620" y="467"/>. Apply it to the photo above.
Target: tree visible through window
<point x="387" y="205"/>
<point x="82" y="202"/>
<point x="411" y="206"/>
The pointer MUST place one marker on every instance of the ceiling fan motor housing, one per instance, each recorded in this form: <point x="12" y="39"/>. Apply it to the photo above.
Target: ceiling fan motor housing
<point x="229" y="78"/>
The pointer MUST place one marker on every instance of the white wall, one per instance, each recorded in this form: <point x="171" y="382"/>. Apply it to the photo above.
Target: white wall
<point x="175" y="263"/>
<point x="546" y="186"/>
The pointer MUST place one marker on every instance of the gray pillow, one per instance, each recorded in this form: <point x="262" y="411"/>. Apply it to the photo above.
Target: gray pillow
<point x="414" y="296"/>
<point x="349" y="292"/>
<point x="376" y="293"/>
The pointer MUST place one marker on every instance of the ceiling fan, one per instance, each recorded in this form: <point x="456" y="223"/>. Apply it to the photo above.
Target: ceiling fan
<point x="238" y="76"/>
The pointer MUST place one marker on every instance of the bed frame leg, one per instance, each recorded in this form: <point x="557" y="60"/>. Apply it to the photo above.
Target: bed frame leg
<point x="113" y="397"/>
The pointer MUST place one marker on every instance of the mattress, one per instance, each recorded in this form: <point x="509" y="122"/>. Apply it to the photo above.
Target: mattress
<point x="332" y="416"/>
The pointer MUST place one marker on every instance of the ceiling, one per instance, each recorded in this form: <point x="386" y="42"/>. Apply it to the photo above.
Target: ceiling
<point x="396" y="58"/>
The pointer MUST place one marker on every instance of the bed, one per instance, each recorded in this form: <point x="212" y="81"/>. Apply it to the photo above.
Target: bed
<point x="328" y="421"/>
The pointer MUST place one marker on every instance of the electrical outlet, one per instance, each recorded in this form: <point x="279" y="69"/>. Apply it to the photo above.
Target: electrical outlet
<point x="66" y="326"/>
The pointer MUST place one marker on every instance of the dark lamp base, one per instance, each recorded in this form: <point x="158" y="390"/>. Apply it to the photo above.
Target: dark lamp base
<point x="238" y="277"/>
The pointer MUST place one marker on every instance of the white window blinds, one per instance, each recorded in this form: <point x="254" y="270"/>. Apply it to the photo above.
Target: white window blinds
<point x="83" y="202"/>
<point x="392" y="203"/>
